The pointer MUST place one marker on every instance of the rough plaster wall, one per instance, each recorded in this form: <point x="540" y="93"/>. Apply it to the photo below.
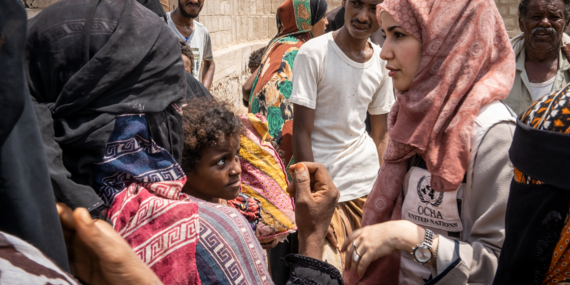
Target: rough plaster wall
<point x="232" y="22"/>
<point x="509" y="10"/>
<point x="229" y="91"/>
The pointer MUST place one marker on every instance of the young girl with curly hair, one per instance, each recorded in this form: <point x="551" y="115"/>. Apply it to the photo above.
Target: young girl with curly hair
<point x="210" y="154"/>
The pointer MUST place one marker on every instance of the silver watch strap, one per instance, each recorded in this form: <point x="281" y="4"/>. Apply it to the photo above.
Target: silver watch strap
<point x="428" y="239"/>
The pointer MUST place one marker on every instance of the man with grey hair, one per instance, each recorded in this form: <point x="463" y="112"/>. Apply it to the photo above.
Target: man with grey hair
<point x="542" y="63"/>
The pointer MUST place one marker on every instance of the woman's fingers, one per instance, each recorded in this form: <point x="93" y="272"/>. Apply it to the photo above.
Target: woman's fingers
<point x="350" y="238"/>
<point x="350" y="263"/>
<point x="365" y="260"/>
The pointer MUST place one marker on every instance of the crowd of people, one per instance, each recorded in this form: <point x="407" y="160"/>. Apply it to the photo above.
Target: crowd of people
<point x="386" y="142"/>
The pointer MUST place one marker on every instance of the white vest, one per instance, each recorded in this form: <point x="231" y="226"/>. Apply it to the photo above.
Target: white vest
<point x="439" y="211"/>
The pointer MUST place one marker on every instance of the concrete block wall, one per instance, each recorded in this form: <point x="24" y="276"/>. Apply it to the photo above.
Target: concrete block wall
<point x="237" y="27"/>
<point x="509" y="10"/>
<point x="232" y="22"/>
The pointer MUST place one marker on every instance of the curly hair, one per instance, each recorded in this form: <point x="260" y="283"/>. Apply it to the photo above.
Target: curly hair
<point x="187" y="51"/>
<point x="255" y="58"/>
<point x="205" y="123"/>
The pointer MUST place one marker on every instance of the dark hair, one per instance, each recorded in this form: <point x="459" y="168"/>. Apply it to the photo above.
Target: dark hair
<point x="187" y="52"/>
<point x="523" y="8"/>
<point x="255" y="57"/>
<point x="205" y="123"/>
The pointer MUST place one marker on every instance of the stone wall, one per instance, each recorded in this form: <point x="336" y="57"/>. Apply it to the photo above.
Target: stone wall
<point x="509" y="10"/>
<point x="237" y="27"/>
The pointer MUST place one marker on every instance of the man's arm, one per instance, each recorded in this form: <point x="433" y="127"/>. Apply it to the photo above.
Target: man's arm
<point x="379" y="134"/>
<point x="248" y="85"/>
<point x="208" y="73"/>
<point x="303" y="122"/>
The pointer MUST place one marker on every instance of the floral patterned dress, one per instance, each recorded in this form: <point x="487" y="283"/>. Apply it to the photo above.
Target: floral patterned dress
<point x="274" y="82"/>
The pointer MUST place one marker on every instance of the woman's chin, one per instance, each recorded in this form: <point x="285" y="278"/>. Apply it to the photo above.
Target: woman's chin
<point x="401" y="87"/>
<point x="232" y="193"/>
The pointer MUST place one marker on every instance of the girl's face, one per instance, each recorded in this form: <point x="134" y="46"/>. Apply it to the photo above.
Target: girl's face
<point x="401" y="51"/>
<point x="217" y="175"/>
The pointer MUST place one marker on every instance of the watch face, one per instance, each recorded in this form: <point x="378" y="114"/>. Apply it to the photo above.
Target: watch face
<point x="422" y="254"/>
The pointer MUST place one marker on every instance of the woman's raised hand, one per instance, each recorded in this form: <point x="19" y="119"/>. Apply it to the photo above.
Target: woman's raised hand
<point x="376" y="241"/>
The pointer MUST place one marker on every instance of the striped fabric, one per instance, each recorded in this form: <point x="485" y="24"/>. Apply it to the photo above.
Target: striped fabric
<point x="228" y="251"/>
<point x="142" y="183"/>
<point x="21" y="263"/>
<point x="264" y="178"/>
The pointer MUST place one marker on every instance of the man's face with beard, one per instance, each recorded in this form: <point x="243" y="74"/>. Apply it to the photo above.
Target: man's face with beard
<point x="190" y="8"/>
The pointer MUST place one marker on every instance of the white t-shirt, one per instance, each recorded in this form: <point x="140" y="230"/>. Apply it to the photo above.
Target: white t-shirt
<point x="537" y="90"/>
<point x="199" y="41"/>
<point x="340" y="91"/>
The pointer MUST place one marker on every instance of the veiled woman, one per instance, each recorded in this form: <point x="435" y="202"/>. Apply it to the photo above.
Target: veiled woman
<point x="107" y="79"/>
<point x="297" y="21"/>
<point x="436" y="214"/>
<point x="537" y="242"/>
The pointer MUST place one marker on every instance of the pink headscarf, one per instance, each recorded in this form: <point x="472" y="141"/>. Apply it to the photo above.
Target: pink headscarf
<point x="467" y="62"/>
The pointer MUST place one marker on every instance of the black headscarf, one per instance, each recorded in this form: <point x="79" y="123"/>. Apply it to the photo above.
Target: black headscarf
<point x="11" y="107"/>
<point x="155" y="6"/>
<point x="27" y="203"/>
<point x="195" y="89"/>
<point x="89" y="61"/>
<point x="318" y="10"/>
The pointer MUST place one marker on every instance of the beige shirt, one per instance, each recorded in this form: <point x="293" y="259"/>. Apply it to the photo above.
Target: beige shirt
<point x="520" y="97"/>
<point x="470" y="222"/>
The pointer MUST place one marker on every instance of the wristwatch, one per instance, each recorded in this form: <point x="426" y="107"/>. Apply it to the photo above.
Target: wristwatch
<point x="423" y="253"/>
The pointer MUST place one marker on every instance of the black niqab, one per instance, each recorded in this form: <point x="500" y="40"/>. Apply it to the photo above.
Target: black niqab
<point x="11" y="106"/>
<point x="27" y="203"/>
<point x="124" y="60"/>
<point x="195" y="89"/>
<point x="155" y="6"/>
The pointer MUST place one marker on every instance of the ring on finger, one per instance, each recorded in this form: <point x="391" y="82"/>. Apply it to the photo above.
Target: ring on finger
<point x="356" y="256"/>
<point x="354" y="245"/>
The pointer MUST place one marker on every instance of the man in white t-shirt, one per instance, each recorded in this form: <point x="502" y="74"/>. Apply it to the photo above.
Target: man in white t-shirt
<point x="338" y="77"/>
<point x="181" y="22"/>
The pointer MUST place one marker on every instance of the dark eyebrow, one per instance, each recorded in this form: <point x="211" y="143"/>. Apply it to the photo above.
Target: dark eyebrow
<point x="393" y="28"/>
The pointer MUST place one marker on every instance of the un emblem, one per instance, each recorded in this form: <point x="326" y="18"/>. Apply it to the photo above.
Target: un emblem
<point x="427" y="194"/>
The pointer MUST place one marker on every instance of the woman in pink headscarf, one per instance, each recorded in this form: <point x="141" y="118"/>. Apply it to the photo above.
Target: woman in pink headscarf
<point x="442" y="193"/>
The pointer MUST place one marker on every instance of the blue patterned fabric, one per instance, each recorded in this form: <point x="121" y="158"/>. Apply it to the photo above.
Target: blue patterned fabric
<point x="228" y="251"/>
<point x="132" y="156"/>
